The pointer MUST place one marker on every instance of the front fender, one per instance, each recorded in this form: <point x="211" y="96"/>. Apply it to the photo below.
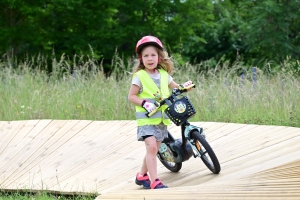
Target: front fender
<point x="190" y="128"/>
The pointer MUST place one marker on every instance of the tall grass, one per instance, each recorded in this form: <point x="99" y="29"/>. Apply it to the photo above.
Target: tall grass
<point x="42" y="195"/>
<point x="78" y="89"/>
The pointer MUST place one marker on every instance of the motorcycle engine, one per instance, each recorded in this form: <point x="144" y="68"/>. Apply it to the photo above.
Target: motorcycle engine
<point x="181" y="153"/>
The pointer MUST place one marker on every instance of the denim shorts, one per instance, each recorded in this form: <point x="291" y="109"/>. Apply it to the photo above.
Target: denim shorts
<point x="160" y="132"/>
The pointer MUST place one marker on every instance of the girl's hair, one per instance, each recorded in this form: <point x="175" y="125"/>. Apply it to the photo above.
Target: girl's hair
<point x="166" y="62"/>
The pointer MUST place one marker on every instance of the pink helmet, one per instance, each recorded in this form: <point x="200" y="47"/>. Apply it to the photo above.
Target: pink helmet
<point x="148" y="40"/>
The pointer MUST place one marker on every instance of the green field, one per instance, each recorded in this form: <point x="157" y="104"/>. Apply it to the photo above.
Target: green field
<point x="22" y="195"/>
<point x="220" y="94"/>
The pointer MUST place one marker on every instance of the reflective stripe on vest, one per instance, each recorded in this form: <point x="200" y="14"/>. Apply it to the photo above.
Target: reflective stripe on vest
<point x="142" y="115"/>
<point x="149" y="89"/>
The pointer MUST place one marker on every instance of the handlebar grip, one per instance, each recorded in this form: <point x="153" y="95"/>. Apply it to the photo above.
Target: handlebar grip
<point x="182" y="88"/>
<point x="157" y="104"/>
<point x="151" y="113"/>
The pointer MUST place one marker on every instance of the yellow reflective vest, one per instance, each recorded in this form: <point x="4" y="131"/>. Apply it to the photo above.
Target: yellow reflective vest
<point x="152" y="93"/>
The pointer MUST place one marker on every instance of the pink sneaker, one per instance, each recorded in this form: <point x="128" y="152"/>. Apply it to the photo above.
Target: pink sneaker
<point x="157" y="184"/>
<point x="144" y="180"/>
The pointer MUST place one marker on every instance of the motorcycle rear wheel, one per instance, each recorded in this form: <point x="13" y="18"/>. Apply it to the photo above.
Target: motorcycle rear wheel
<point x="173" y="167"/>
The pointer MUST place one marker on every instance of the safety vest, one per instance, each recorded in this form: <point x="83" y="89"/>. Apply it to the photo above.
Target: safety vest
<point x="152" y="93"/>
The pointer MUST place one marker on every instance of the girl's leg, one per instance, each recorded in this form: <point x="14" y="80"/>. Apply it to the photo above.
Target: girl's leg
<point x="144" y="168"/>
<point x="150" y="160"/>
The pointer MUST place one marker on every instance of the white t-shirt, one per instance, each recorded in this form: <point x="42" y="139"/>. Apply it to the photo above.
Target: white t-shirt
<point x="154" y="77"/>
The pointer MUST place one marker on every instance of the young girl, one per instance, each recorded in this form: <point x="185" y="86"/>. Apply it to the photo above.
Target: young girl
<point x="151" y="82"/>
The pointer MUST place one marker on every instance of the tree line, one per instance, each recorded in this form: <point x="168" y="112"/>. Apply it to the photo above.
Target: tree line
<point x="191" y="30"/>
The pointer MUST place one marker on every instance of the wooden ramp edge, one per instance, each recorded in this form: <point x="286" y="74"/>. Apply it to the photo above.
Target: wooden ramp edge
<point x="82" y="156"/>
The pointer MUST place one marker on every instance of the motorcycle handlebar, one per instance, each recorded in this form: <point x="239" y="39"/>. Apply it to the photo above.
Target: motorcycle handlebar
<point x="175" y="92"/>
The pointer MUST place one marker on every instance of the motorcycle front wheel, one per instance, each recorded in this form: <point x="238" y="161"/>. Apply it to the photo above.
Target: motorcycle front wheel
<point x="206" y="153"/>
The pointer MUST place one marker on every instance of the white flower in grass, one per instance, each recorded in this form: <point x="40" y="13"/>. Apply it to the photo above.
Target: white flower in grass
<point x="22" y="106"/>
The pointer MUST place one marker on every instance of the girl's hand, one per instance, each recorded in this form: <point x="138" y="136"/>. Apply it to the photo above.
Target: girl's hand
<point x="148" y="106"/>
<point x="186" y="84"/>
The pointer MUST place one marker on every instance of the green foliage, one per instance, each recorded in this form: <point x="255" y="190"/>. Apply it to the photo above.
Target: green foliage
<point x="254" y="31"/>
<point x="19" y="22"/>
<point x="87" y="94"/>
<point x="43" y="195"/>
<point x="192" y="30"/>
<point x="271" y="29"/>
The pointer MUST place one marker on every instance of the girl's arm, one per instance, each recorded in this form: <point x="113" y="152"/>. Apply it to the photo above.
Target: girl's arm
<point x="132" y="96"/>
<point x="173" y="85"/>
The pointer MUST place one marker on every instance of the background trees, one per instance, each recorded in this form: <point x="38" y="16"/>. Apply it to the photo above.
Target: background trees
<point x="194" y="30"/>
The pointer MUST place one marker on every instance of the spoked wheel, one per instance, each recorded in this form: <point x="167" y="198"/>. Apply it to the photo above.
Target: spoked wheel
<point x="207" y="155"/>
<point x="173" y="167"/>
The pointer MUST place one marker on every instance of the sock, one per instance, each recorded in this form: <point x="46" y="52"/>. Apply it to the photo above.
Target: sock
<point x="141" y="175"/>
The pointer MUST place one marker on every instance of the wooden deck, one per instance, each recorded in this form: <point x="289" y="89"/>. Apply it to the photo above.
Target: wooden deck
<point x="258" y="162"/>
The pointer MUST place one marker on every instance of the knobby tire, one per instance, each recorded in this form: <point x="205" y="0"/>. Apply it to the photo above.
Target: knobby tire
<point x="214" y="165"/>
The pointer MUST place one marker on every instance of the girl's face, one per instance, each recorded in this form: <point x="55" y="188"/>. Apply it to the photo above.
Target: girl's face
<point x="150" y="58"/>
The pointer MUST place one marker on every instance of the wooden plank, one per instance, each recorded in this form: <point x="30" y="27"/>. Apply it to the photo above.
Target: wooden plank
<point x="192" y="170"/>
<point x="8" y="133"/>
<point x="225" y="129"/>
<point x="220" y="192"/>
<point x="195" y="168"/>
<point x="60" y="163"/>
<point x="16" y="143"/>
<point x="3" y="125"/>
<point x="104" y="156"/>
<point x="16" y="151"/>
<point x="261" y="160"/>
<point x="89" y="162"/>
<point x="87" y="151"/>
<point x="34" y="148"/>
<point x="247" y="143"/>
<point x="49" y="168"/>
<point x="57" y="139"/>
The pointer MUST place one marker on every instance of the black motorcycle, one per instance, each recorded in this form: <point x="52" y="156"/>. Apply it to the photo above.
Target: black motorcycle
<point x="173" y="152"/>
